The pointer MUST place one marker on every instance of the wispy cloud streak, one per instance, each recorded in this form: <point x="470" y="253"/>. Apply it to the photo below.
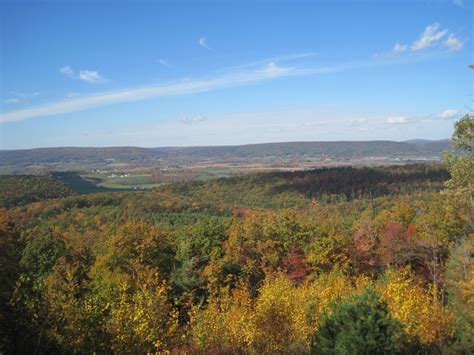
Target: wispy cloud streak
<point x="203" y="43"/>
<point x="277" y="59"/>
<point x="432" y="36"/>
<point x="184" y="87"/>
<point x="142" y="93"/>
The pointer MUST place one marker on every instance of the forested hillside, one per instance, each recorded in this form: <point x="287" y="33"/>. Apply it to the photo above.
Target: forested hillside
<point x="72" y="158"/>
<point x="336" y="260"/>
<point x="22" y="189"/>
<point x="343" y="149"/>
<point x="287" y="189"/>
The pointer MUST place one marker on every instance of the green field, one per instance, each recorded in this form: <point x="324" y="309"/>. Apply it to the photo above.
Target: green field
<point x="111" y="185"/>
<point x="122" y="181"/>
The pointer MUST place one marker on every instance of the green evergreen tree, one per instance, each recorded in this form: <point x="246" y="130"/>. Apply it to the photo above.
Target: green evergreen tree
<point x="360" y="325"/>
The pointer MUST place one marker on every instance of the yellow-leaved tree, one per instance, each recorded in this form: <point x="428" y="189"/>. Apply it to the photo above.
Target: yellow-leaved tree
<point x="143" y="320"/>
<point x="283" y="317"/>
<point x="424" y="320"/>
<point x="227" y="323"/>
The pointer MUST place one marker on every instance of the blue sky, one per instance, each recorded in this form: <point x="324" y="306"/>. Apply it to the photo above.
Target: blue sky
<point x="142" y="73"/>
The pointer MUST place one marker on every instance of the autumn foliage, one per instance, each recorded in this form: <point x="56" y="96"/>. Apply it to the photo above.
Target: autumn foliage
<point x="306" y="263"/>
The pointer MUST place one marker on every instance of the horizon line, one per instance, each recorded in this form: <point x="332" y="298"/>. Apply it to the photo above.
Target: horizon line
<point x="407" y="141"/>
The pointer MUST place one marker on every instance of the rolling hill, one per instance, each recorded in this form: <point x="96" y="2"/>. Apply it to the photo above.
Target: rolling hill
<point x="69" y="158"/>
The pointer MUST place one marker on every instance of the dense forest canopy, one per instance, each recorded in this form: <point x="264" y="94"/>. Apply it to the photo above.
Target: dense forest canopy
<point x="23" y="189"/>
<point x="336" y="260"/>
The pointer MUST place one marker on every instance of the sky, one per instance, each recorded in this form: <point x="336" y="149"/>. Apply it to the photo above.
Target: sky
<point x="187" y="73"/>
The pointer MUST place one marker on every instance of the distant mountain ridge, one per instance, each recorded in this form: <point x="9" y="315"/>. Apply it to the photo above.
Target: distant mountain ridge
<point x="330" y="149"/>
<point x="342" y="150"/>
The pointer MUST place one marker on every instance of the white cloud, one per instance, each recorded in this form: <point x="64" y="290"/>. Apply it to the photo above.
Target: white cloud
<point x="397" y="120"/>
<point x="89" y="76"/>
<point x="12" y="100"/>
<point x="453" y="43"/>
<point x="449" y="113"/>
<point x="429" y="37"/>
<point x="71" y="94"/>
<point x="193" y="120"/>
<point x="203" y="43"/>
<point x="399" y="48"/>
